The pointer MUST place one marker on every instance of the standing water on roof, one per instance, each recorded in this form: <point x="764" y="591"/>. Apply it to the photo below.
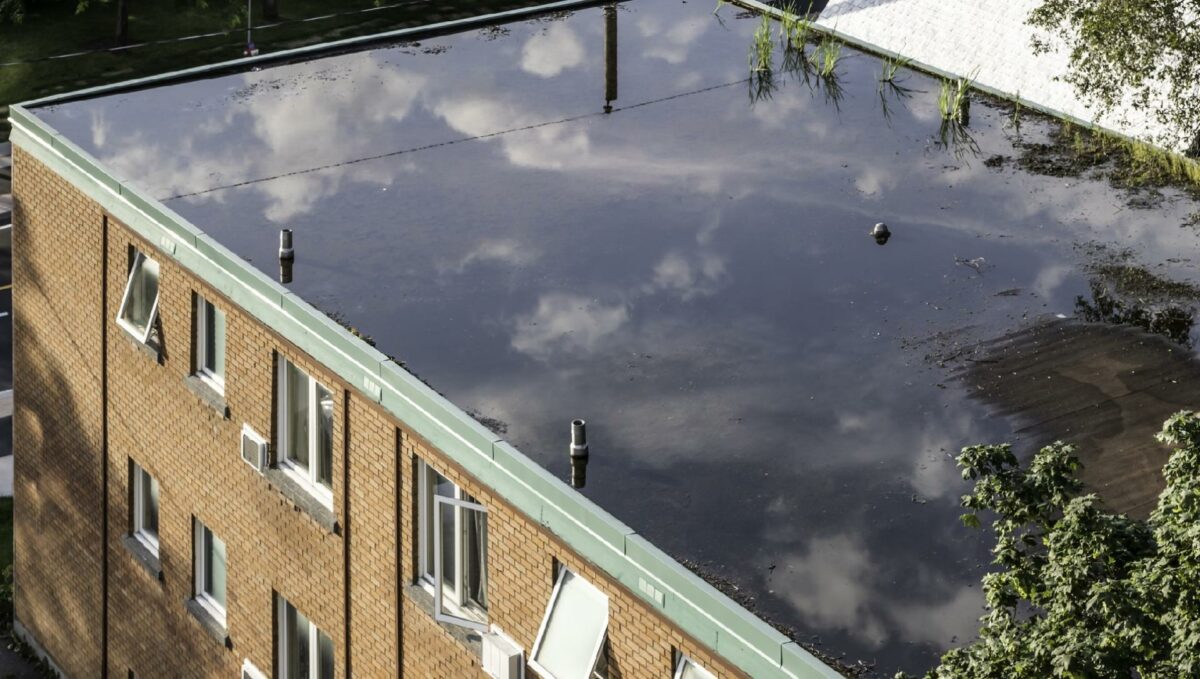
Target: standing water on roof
<point x="606" y="215"/>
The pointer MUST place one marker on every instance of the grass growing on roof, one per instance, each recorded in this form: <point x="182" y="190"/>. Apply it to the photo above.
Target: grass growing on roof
<point x="794" y="27"/>
<point x="826" y="56"/>
<point x="892" y="66"/>
<point x="762" y="50"/>
<point x="953" y="98"/>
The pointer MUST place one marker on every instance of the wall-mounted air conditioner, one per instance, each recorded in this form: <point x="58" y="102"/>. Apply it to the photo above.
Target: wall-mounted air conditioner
<point x="254" y="449"/>
<point x="502" y="659"/>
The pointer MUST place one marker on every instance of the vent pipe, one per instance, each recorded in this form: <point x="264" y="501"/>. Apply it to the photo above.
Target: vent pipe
<point x="579" y="453"/>
<point x="285" y="245"/>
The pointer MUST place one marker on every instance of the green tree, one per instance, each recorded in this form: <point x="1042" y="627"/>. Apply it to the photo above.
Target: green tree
<point x="1079" y="591"/>
<point x="12" y="11"/>
<point x="1143" y="52"/>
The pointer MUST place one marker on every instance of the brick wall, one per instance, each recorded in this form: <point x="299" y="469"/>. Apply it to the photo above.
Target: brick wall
<point x="58" y="419"/>
<point x="354" y="583"/>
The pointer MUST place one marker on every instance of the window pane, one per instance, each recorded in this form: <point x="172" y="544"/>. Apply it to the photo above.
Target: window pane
<point x="325" y="653"/>
<point x="693" y="671"/>
<point x="149" y="505"/>
<point x="214" y="574"/>
<point x="297" y="415"/>
<point x="216" y="341"/>
<point x="324" y="437"/>
<point x="475" y="558"/>
<point x="577" y="621"/>
<point x="143" y="292"/>
<point x="298" y="658"/>
<point x="446" y="526"/>
<point x="442" y="486"/>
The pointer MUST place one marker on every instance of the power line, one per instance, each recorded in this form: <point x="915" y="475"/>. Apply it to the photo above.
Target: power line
<point x="214" y="34"/>
<point x="452" y="142"/>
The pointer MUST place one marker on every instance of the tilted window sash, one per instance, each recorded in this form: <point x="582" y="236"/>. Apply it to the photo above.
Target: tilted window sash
<point x="573" y="632"/>
<point x="139" y="304"/>
<point x="468" y="596"/>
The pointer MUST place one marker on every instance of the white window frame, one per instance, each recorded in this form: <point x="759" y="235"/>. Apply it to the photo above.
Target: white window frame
<point x="213" y="378"/>
<point x="684" y="662"/>
<point x="249" y="669"/>
<point x="141" y="493"/>
<point x="282" y="634"/>
<point x="200" y="572"/>
<point x="448" y="603"/>
<point x="305" y="477"/>
<point x="139" y="262"/>
<point x="460" y="613"/>
<point x="541" y="635"/>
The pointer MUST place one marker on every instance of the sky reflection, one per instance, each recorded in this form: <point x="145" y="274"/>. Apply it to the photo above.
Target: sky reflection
<point x="692" y="273"/>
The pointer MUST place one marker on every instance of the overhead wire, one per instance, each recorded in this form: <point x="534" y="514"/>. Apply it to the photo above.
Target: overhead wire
<point x="452" y="142"/>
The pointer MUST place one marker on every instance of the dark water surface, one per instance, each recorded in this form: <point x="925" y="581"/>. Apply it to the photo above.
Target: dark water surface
<point x="691" y="273"/>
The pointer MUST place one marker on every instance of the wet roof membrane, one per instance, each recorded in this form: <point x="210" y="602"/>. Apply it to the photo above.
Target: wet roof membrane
<point x="545" y="229"/>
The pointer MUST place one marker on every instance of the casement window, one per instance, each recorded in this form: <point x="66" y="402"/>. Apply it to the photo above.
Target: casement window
<point x="304" y="652"/>
<point x="305" y="430"/>
<point x="452" y="530"/>
<point x="143" y="503"/>
<point x="139" y="306"/>
<point x="571" y="641"/>
<point x="209" y="572"/>
<point x="210" y="344"/>
<point x="687" y="668"/>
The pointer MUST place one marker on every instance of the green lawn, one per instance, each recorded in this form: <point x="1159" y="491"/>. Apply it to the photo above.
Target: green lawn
<point x="51" y="27"/>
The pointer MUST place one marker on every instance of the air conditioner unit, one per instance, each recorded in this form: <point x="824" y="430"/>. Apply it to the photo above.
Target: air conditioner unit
<point x="502" y="659"/>
<point x="254" y="449"/>
<point x="249" y="671"/>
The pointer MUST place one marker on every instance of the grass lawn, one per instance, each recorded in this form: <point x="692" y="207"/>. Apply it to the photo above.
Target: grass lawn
<point x="6" y="532"/>
<point x="51" y="27"/>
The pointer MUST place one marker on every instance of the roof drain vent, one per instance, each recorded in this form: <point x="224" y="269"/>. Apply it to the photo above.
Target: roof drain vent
<point x="286" y="256"/>
<point x="579" y="453"/>
<point x="285" y="245"/>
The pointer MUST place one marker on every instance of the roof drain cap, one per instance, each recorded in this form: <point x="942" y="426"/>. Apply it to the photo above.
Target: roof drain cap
<point x="579" y="453"/>
<point x="579" y="446"/>
<point x="285" y="245"/>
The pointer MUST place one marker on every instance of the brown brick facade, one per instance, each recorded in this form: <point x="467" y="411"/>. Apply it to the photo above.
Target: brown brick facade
<point x="354" y="582"/>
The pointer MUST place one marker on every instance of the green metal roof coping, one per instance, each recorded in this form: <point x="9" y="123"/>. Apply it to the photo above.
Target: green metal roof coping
<point x="683" y="597"/>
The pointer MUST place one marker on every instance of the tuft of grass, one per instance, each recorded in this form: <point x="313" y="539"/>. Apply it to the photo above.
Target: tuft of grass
<point x="826" y="56"/>
<point x="762" y="50"/>
<point x="891" y="67"/>
<point x="953" y="99"/>
<point x="794" y="27"/>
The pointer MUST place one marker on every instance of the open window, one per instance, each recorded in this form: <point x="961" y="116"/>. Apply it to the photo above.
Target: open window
<point x="460" y="562"/>
<point x="687" y="668"/>
<point x="139" y="306"/>
<point x="452" y="529"/>
<point x="571" y="641"/>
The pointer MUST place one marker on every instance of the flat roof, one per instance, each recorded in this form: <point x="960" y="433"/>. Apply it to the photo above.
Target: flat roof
<point x="770" y="394"/>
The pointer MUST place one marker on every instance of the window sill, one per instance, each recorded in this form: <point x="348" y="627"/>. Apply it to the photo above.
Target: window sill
<point x="423" y="599"/>
<point x="207" y="394"/>
<point x="304" y="500"/>
<point x="145" y="558"/>
<point x="210" y="624"/>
